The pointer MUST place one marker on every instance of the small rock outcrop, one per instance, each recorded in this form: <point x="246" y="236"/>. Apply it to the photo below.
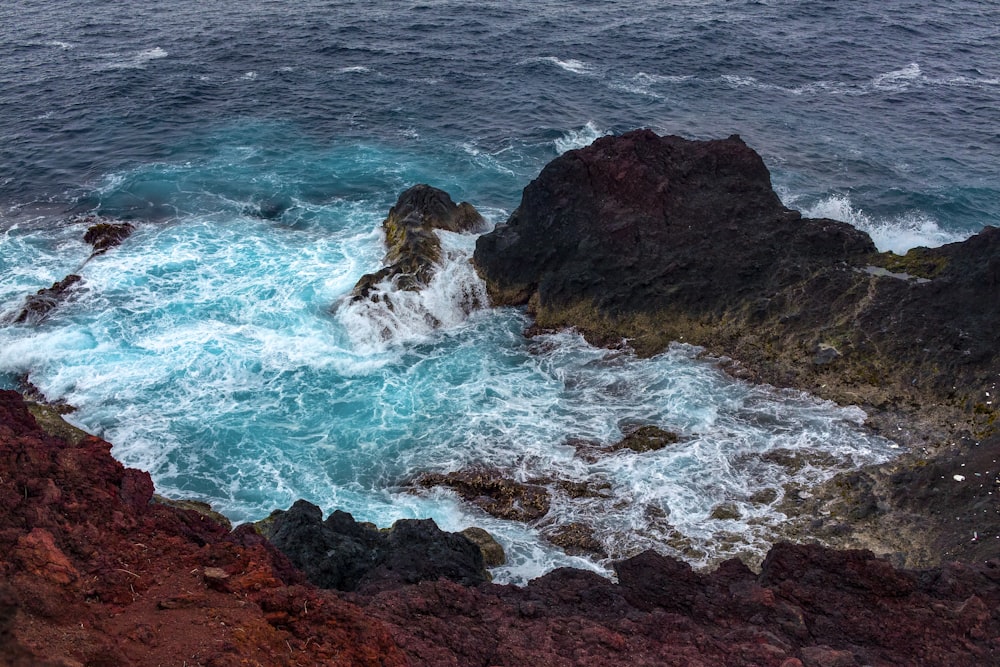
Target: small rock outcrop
<point x="343" y="554"/>
<point x="38" y="306"/>
<point x="493" y="492"/>
<point x="413" y="248"/>
<point x="104" y="234"/>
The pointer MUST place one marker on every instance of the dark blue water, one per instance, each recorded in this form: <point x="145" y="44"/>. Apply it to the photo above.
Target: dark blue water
<point x="207" y="347"/>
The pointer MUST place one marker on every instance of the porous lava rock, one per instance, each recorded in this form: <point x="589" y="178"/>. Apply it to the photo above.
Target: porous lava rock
<point x="94" y="574"/>
<point x="346" y="555"/>
<point x="413" y="248"/>
<point x="494" y="492"/>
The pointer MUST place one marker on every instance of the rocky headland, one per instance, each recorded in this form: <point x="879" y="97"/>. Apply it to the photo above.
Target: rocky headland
<point x="637" y="241"/>
<point x="645" y="240"/>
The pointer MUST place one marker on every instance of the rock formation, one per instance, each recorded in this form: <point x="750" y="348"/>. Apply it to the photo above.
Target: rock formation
<point x="346" y="555"/>
<point x="413" y="248"/>
<point x="659" y="239"/>
<point x="38" y="306"/>
<point x="92" y="573"/>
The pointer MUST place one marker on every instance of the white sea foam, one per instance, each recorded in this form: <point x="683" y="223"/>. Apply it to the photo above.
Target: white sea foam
<point x="581" y="138"/>
<point x="571" y="65"/>
<point x="396" y="317"/>
<point x="897" y="234"/>
<point x="899" y="79"/>
<point x="137" y="60"/>
<point x="354" y="69"/>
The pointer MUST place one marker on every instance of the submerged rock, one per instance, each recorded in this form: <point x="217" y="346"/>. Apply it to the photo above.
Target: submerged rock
<point x="343" y="554"/>
<point x="639" y="439"/>
<point x="413" y="248"/>
<point x="38" y="306"/>
<point x="494" y="493"/>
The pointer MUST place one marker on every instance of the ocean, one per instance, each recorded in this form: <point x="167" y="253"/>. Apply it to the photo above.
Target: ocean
<point x="257" y="147"/>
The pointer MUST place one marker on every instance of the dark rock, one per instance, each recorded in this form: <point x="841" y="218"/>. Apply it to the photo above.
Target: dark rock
<point x="494" y="493"/>
<point x="726" y="511"/>
<point x="413" y="249"/>
<point x="38" y="306"/>
<point x="343" y="554"/>
<point x="658" y="239"/>
<point x="618" y="237"/>
<point x="104" y="235"/>
<point x="640" y="439"/>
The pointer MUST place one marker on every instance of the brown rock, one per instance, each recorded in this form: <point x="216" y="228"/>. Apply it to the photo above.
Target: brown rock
<point x="495" y="494"/>
<point x="493" y="553"/>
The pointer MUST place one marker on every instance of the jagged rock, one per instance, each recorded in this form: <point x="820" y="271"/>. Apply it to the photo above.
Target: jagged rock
<point x="197" y="506"/>
<point x="38" y="306"/>
<point x="343" y="554"/>
<point x="413" y="249"/>
<point x="659" y="239"/>
<point x="493" y="553"/>
<point x="577" y="539"/>
<point x="639" y="439"/>
<point x="152" y="583"/>
<point x="647" y="438"/>
<point x="494" y="493"/>
<point x="91" y="573"/>
<point x="104" y="235"/>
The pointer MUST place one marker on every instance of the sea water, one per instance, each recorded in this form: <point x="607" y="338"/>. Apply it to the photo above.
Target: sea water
<point x="257" y="148"/>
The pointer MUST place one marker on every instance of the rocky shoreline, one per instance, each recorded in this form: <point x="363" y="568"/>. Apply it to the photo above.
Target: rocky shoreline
<point x="637" y="240"/>
<point x="650" y="240"/>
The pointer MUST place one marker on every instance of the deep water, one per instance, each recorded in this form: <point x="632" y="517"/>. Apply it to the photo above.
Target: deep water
<point x="258" y="146"/>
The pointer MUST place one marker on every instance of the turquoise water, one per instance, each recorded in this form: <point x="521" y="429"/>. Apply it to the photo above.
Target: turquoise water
<point x="257" y="150"/>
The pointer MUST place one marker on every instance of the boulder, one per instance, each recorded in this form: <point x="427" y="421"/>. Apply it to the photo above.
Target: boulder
<point x="494" y="493"/>
<point x="413" y="248"/>
<point x="104" y="234"/>
<point x="342" y="554"/>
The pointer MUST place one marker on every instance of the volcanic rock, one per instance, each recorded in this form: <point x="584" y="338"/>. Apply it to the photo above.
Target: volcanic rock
<point x="104" y="235"/>
<point x="658" y="239"/>
<point x="493" y="553"/>
<point x="494" y="493"/>
<point x="38" y="306"/>
<point x="93" y="574"/>
<point x="346" y="555"/>
<point x="413" y="248"/>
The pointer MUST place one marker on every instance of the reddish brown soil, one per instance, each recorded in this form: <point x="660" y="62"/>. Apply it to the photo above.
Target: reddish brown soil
<point x="95" y="575"/>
